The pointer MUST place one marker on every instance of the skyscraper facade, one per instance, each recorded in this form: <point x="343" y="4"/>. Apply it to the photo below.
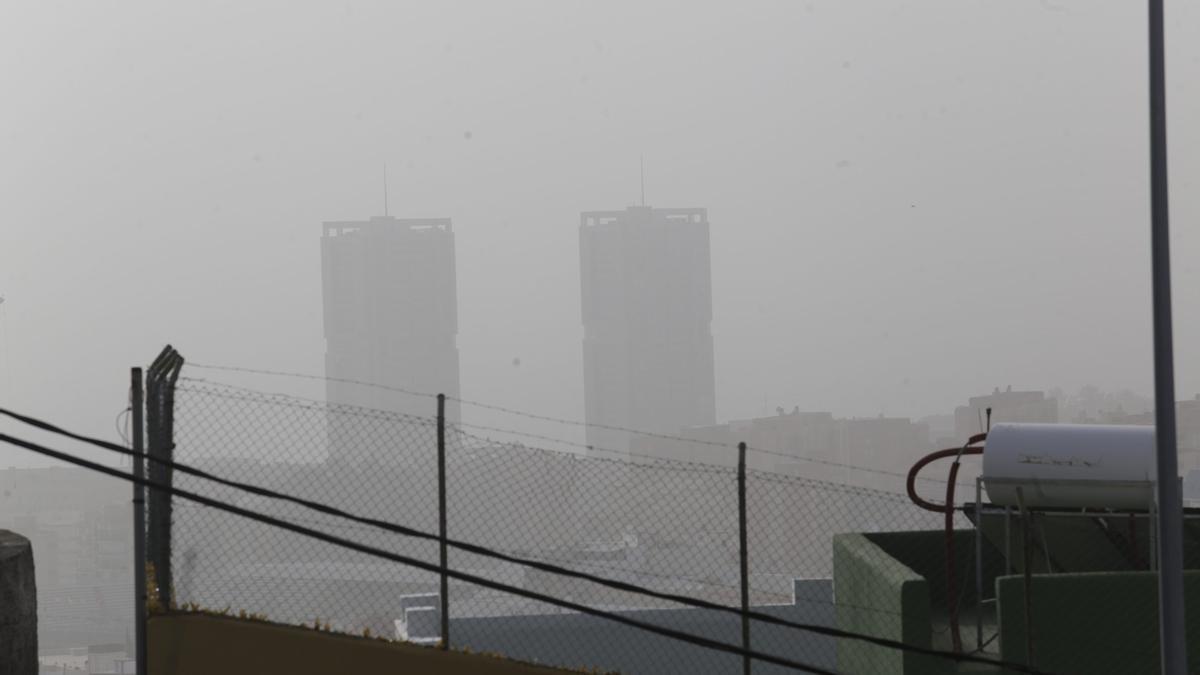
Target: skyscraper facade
<point x="391" y="318"/>
<point x="647" y="315"/>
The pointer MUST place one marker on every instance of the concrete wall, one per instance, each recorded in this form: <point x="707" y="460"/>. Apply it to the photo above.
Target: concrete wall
<point x="577" y="640"/>
<point x="18" y="606"/>
<point x="198" y="644"/>
<point x="881" y="596"/>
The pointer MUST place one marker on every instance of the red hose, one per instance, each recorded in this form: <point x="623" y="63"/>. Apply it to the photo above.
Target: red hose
<point x="948" y="510"/>
<point x="929" y="459"/>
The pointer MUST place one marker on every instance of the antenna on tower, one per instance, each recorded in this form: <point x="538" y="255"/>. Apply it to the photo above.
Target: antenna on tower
<point x="642" y="166"/>
<point x="385" y="201"/>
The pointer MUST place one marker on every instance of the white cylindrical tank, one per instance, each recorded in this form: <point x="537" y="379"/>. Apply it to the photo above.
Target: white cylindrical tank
<point x="1070" y="465"/>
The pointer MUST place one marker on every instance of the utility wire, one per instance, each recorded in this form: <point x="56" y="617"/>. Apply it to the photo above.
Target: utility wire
<point x="420" y="564"/>
<point x="727" y="586"/>
<point x="465" y="546"/>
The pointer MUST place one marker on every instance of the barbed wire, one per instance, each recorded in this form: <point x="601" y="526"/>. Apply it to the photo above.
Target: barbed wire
<point x="655" y="462"/>
<point x="203" y="386"/>
<point x="306" y="376"/>
<point x="207" y="387"/>
<point x="546" y="418"/>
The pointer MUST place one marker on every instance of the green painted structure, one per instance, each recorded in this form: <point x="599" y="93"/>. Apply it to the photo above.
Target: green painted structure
<point x="1091" y="622"/>
<point x="893" y="585"/>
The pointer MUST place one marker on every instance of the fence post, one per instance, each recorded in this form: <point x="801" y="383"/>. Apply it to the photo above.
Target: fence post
<point x="136" y="408"/>
<point x="153" y="470"/>
<point x="444" y="595"/>
<point x="743" y="557"/>
<point x="160" y="404"/>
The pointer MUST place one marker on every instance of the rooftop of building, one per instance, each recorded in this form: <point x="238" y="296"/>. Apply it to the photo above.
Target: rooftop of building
<point x="336" y="228"/>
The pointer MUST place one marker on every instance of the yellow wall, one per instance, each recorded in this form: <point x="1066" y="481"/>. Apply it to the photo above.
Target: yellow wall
<point x="199" y="644"/>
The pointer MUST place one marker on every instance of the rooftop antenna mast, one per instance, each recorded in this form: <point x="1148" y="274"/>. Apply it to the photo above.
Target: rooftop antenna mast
<point x="385" y="195"/>
<point x="642" y="166"/>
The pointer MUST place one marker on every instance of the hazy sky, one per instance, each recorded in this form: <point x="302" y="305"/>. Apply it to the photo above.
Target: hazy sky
<point x="911" y="202"/>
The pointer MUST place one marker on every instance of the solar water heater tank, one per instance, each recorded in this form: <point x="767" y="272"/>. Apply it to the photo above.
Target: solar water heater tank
<point x="1070" y="465"/>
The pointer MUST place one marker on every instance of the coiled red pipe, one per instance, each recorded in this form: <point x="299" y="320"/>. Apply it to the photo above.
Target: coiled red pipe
<point x="948" y="510"/>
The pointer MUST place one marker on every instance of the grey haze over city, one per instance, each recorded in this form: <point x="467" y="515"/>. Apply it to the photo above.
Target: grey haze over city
<point x="634" y="243"/>
<point x="910" y="202"/>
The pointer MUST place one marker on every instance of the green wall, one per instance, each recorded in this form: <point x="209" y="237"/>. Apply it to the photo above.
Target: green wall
<point x="876" y="594"/>
<point x="892" y="585"/>
<point x="1093" y="622"/>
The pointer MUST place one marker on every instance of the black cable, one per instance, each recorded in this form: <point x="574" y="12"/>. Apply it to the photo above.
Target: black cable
<point x="759" y="590"/>
<point x="122" y="429"/>
<point x="491" y="553"/>
<point x="414" y="562"/>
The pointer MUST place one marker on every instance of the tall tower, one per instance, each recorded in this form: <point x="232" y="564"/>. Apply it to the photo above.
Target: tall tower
<point x="647" y="314"/>
<point x="391" y="318"/>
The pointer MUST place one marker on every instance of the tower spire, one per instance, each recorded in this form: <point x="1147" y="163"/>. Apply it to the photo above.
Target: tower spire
<point x="642" y="166"/>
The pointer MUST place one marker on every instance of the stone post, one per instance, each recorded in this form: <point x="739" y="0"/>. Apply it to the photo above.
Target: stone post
<point x="18" y="606"/>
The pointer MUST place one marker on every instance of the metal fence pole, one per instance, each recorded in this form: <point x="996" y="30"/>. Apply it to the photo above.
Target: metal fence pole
<point x="154" y="507"/>
<point x="979" y="556"/>
<point x="743" y="557"/>
<point x="1027" y="584"/>
<point x="136" y="406"/>
<point x="442" y="553"/>
<point x="160" y="403"/>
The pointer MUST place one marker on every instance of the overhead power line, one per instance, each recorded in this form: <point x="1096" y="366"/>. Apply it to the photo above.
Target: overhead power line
<point x="464" y="546"/>
<point x="417" y="563"/>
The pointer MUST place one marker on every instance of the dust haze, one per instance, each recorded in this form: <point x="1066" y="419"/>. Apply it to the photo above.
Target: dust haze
<point x="910" y="203"/>
<point x="889" y="217"/>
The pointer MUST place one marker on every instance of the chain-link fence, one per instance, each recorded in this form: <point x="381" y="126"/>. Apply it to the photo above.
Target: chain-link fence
<point x="629" y="564"/>
<point x="665" y="525"/>
<point x="659" y="526"/>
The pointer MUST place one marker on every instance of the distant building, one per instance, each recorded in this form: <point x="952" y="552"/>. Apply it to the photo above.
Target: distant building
<point x="647" y="310"/>
<point x="1187" y="437"/>
<point x="941" y="429"/>
<point x="80" y="527"/>
<point x="810" y="444"/>
<point x="1187" y="422"/>
<point x="391" y="318"/>
<point x="883" y="443"/>
<point x="1007" y="406"/>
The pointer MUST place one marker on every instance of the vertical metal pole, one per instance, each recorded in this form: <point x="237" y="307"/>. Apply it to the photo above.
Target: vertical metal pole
<point x="1027" y="563"/>
<point x="1170" y="498"/>
<point x="136" y="408"/>
<point x="1152" y="534"/>
<point x="744" y="557"/>
<point x="979" y="558"/>
<point x="166" y="571"/>
<point x="1008" y="564"/>
<point x="443" y="557"/>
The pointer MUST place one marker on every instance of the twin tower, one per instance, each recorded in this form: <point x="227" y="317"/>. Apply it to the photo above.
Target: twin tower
<point x="391" y="318"/>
